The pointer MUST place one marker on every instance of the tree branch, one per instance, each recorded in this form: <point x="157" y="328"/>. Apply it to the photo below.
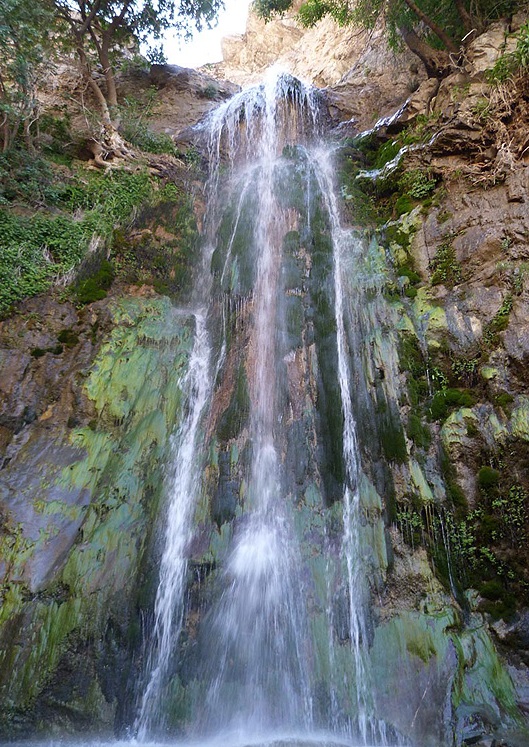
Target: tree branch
<point x="438" y="31"/>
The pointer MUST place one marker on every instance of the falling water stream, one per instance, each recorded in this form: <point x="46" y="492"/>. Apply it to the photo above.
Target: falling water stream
<point x="257" y="670"/>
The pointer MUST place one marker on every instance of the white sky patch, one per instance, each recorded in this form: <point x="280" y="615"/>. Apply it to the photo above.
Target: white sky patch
<point x="205" y="46"/>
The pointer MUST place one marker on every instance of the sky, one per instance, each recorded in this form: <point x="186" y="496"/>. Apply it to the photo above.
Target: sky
<point x="205" y="46"/>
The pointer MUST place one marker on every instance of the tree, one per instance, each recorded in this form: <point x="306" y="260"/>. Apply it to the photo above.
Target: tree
<point x="24" y="36"/>
<point x="434" y="30"/>
<point x="98" y="28"/>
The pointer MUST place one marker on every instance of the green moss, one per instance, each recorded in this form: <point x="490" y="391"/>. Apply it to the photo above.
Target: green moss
<point x="386" y="153"/>
<point x="457" y="498"/>
<point x="448" y="399"/>
<point x="444" y="267"/>
<point x="68" y="337"/>
<point x="236" y="415"/>
<point x="392" y="438"/>
<point x="404" y="204"/>
<point x="504" y="400"/>
<point x="488" y="478"/>
<point x="492" y="590"/>
<point x="472" y="430"/>
<point x="498" y="323"/>
<point x="410" y="356"/>
<point x="40" y="352"/>
<point x="95" y="287"/>
<point x="501" y="608"/>
<point x="418" y="432"/>
<point x="407" y="271"/>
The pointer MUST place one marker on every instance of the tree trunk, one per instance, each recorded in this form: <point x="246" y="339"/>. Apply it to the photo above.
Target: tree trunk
<point x="87" y="76"/>
<point x="436" y="61"/>
<point x="438" y="31"/>
<point x="112" y="95"/>
<point x="468" y="22"/>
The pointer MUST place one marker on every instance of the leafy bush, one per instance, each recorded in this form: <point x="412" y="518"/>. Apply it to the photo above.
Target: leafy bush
<point x="515" y="62"/>
<point x="149" y="141"/>
<point x="37" y="250"/>
<point x="417" y="183"/>
<point x="27" y="177"/>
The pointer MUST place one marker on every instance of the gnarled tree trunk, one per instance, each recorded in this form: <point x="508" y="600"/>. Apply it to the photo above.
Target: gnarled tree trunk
<point x="436" y="61"/>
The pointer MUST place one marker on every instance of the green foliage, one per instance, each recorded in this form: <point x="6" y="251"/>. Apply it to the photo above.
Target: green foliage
<point x="165" y="263"/>
<point x="513" y="512"/>
<point x="465" y="370"/>
<point x="464" y="547"/>
<point x="25" y="31"/>
<point x="386" y="153"/>
<point x="38" y="250"/>
<point x="267" y="9"/>
<point x="417" y="183"/>
<point x="111" y="197"/>
<point x="55" y="133"/>
<point x="193" y="159"/>
<point x="135" y="114"/>
<point x="421" y="129"/>
<point x="149" y="141"/>
<point x="209" y="92"/>
<point x="444" y="267"/>
<point x="27" y="177"/>
<point x="499" y="322"/>
<point x="34" y="251"/>
<point x="513" y="63"/>
<point x="404" y="204"/>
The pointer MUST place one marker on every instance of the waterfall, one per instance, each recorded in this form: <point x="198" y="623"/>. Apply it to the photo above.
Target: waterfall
<point x="270" y="658"/>
<point x="344" y="244"/>
<point x="182" y="489"/>
<point x="259" y="620"/>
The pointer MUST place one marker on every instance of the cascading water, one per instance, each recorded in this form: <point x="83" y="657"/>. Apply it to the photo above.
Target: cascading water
<point x="182" y="487"/>
<point x="270" y="656"/>
<point x="344" y="244"/>
<point x="259" y="619"/>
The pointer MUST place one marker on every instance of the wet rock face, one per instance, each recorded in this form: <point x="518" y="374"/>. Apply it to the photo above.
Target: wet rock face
<point x="80" y="483"/>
